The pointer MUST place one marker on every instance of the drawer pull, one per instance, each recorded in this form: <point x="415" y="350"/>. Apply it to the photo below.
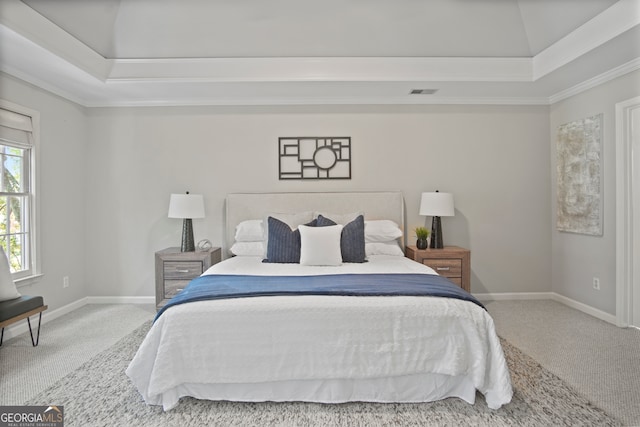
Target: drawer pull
<point x="182" y="270"/>
<point x="443" y="268"/>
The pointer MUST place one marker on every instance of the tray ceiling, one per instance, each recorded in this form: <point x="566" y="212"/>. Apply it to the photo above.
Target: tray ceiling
<point x="252" y="52"/>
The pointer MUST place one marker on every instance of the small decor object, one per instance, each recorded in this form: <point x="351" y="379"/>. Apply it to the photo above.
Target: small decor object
<point x="422" y="234"/>
<point x="436" y="205"/>
<point x="578" y="173"/>
<point x="204" y="245"/>
<point x="186" y="206"/>
<point x="314" y="158"/>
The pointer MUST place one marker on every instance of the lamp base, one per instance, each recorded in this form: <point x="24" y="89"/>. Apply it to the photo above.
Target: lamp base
<point x="436" y="233"/>
<point x="188" y="244"/>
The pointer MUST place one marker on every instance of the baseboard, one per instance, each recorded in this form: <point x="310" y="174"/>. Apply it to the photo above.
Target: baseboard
<point x="599" y="314"/>
<point x="22" y="326"/>
<point x="514" y="296"/>
<point x="121" y="300"/>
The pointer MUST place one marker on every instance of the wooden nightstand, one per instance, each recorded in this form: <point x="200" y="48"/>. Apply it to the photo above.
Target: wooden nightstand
<point x="452" y="262"/>
<point x="175" y="269"/>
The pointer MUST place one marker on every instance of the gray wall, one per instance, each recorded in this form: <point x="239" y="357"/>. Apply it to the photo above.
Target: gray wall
<point x="576" y="258"/>
<point x="495" y="160"/>
<point x="62" y="189"/>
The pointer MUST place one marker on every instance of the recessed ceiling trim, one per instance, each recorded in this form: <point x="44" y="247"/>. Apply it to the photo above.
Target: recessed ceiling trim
<point x="621" y="17"/>
<point x="324" y="69"/>
<point x="19" y="23"/>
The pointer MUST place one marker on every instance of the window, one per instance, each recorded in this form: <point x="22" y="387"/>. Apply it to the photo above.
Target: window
<point x="17" y="196"/>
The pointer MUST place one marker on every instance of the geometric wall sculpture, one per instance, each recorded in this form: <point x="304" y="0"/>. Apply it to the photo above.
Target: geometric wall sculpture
<point x="314" y="157"/>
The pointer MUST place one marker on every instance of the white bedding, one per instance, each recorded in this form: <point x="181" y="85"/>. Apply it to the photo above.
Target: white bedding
<point x="375" y="264"/>
<point x="322" y="348"/>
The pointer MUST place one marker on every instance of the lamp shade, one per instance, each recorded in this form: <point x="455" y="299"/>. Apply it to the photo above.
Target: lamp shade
<point x="186" y="206"/>
<point x="437" y="204"/>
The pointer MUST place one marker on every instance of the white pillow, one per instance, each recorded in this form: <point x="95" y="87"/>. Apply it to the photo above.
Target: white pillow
<point x="250" y="231"/>
<point x="320" y="245"/>
<point x="248" y="249"/>
<point x="7" y="287"/>
<point x="383" y="230"/>
<point x="383" y="248"/>
<point x="342" y="219"/>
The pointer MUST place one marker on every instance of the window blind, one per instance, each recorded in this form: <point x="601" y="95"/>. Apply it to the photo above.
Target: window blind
<point x="15" y="128"/>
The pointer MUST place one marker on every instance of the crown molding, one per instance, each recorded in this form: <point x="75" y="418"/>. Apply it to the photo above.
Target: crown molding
<point x="596" y="81"/>
<point x="293" y="101"/>
<point x="28" y="78"/>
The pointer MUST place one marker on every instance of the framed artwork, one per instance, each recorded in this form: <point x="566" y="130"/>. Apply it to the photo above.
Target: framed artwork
<point x="579" y="176"/>
<point x="321" y="157"/>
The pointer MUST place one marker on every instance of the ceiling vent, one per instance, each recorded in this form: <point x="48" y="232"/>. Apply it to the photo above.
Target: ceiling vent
<point x="423" y="91"/>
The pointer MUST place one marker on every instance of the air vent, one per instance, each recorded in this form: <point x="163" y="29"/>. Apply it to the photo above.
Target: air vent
<point x="423" y="91"/>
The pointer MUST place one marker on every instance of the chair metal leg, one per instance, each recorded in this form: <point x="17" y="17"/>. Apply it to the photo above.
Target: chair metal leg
<point x="35" y="343"/>
<point x="1" y="336"/>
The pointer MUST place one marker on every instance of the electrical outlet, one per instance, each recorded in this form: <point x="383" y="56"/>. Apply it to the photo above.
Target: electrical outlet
<point x="65" y="282"/>
<point x="596" y="283"/>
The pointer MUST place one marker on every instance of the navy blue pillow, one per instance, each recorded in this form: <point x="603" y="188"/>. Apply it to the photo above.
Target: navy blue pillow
<point x="283" y="245"/>
<point x="352" y="239"/>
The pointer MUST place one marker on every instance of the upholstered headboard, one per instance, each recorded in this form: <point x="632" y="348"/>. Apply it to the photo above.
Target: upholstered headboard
<point x="374" y="205"/>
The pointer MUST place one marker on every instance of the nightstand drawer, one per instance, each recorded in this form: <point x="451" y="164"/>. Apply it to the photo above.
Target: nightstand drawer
<point x="176" y="270"/>
<point x="172" y="287"/>
<point x="445" y="267"/>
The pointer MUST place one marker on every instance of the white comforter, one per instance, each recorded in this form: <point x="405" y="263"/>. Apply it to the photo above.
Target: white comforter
<point x="322" y="348"/>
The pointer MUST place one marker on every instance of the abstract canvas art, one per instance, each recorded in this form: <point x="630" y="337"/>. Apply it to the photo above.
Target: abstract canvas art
<point x="314" y="157"/>
<point x="579" y="175"/>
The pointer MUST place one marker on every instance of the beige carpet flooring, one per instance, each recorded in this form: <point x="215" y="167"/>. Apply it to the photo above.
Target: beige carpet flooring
<point x="598" y="359"/>
<point x="65" y="344"/>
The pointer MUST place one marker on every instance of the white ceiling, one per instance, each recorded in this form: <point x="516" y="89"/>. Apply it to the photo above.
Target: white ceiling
<point x="256" y="52"/>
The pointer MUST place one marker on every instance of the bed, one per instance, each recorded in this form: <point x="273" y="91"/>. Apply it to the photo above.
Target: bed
<point x="321" y="329"/>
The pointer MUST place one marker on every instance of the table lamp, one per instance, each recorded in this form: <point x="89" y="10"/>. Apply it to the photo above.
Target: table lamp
<point x="186" y="206"/>
<point x="436" y="204"/>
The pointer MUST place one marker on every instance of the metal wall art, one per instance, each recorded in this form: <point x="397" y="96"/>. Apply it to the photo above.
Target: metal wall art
<point x="579" y="175"/>
<point x="315" y="157"/>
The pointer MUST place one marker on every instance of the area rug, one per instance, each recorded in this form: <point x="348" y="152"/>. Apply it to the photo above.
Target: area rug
<point x="100" y="394"/>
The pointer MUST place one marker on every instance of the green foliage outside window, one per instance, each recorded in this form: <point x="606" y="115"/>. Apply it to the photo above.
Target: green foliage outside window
<point x="13" y="199"/>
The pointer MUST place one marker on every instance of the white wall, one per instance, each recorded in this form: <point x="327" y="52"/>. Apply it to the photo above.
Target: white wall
<point x="576" y="258"/>
<point x="495" y="160"/>
<point x="62" y="191"/>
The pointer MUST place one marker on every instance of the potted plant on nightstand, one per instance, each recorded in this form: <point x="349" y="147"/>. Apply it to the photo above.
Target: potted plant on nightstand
<point x="422" y="234"/>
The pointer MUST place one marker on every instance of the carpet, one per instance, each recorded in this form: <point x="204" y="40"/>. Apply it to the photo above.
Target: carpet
<point x="100" y="394"/>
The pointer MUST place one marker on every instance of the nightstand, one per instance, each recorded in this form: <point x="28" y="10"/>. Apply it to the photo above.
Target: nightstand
<point x="175" y="269"/>
<point x="452" y="262"/>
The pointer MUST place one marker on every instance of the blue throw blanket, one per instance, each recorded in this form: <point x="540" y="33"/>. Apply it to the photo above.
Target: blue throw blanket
<point x="243" y="286"/>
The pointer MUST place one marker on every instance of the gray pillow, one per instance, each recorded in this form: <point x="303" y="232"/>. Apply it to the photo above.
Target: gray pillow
<point x="283" y="245"/>
<point x="352" y="239"/>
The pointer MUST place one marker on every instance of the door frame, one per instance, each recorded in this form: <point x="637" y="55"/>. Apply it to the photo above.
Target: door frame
<point x="624" y="212"/>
